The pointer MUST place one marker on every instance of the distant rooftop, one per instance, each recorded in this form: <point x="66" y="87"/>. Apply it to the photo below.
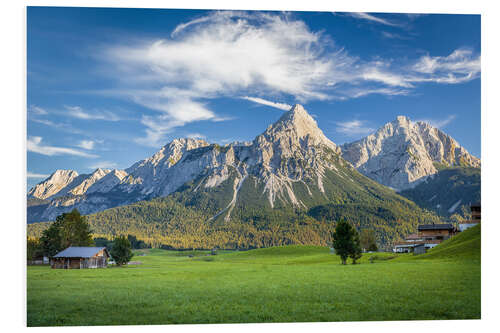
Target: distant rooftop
<point x="444" y="226"/>
<point x="79" y="252"/>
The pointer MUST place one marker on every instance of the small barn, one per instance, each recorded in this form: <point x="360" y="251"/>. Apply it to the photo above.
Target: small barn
<point x="81" y="257"/>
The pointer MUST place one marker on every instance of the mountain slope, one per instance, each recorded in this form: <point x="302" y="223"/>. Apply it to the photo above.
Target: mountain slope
<point x="259" y="194"/>
<point x="403" y="153"/>
<point x="447" y="190"/>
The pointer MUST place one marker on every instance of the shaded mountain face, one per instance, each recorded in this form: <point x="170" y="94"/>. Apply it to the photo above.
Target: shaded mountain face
<point x="402" y="153"/>
<point x="448" y="191"/>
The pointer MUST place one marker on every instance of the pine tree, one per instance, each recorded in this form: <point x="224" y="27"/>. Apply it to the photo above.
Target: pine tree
<point x="75" y="230"/>
<point x="69" y="229"/>
<point x="343" y="240"/>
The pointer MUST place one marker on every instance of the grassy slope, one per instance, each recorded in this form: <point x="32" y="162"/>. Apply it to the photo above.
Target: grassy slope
<point x="281" y="284"/>
<point x="466" y="245"/>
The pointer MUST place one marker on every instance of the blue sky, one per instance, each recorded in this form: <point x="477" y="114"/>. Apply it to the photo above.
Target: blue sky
<point x="108" y="87"/>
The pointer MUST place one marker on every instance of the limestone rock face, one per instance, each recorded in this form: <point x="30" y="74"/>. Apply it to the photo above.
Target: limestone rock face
<point x="291" y="164"/>
<point x="52" y="185"/>
<point x="402" y="153"/>
<point x="294" y="149"/>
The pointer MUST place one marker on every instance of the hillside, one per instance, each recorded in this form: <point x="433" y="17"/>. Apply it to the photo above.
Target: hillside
<point x="287" y="186"/>
<point x="448" y="190"/>
<point x="465" y="245"/>
<point x="185" y="218"/>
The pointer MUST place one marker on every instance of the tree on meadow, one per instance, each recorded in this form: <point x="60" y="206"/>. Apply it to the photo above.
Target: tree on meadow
<point x="367" y="239"/>
<point x="121" y="250"/>
<point x="343" y="239"/>
<point x="69" y="229"/>
<point x="356" y="247"/>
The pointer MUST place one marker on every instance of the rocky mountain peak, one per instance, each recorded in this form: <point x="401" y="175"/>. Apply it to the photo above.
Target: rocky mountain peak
<point x="297" y="125"/>
<point x="403" y="153"/>
<point x="403" y="121"/>
<point x="52" y="185"/>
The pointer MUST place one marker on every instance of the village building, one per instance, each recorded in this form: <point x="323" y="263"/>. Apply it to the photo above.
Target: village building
<point x="475" y="210"/>
<point x="428" y="236"/>
<point x="436" y="231"/>
<point x="81" y="257"/>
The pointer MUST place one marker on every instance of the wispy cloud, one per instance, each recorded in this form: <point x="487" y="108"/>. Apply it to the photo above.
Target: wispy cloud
<point x="281" y="106"/>
<point x="460" y="66"/>
<point x="37" y="110"/>
<point x="103" y="165"/>
<point x="361" y="92"/>
<point x="79" y="112"/>
<point x="86" y="144"/>
<point x="354" y="128"/>
<point x="34" y="144"/>
<point x="375" y="19"/>
<point x="391" y="35"/>
<point x="36" y="175"/>
<point x="228" y="54"/>
<point x="196" y="136"/>
<point x="439" y="123"/>
<point x="175" y="113"/>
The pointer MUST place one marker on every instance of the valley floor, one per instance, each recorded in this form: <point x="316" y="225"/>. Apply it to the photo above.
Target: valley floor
<point x="282" y="284"/>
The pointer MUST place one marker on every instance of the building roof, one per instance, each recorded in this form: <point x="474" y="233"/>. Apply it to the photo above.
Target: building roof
<point x="79" y="252"/>
<point x="444" y="226"/>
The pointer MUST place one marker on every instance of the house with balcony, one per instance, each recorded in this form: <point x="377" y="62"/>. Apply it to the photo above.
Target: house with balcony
<point x="427" y="237"/>
<point x="475" y="210"/>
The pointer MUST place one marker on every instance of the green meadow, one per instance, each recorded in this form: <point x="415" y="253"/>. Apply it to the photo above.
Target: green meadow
<point x="279" y="284"/>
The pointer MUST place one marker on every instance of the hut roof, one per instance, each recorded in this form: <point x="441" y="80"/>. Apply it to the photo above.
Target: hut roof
<point x="445" y="226"/>
<point x="79" y="252"/>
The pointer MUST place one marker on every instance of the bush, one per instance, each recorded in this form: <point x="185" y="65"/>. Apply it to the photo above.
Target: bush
<point x="121" y="250"/>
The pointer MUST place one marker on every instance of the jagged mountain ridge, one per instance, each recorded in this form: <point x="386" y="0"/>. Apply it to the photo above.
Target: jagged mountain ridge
<point x="402" y="153"/>
<point x="271" y="157"/>
<point x="273" y="190"/>
<point x="291" y="164"/>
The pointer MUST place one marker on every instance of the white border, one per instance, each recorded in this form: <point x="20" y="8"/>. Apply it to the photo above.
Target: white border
<point x="13" y="163"/>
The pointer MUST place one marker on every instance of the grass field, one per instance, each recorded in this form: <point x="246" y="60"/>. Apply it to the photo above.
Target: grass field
<point x="281" y="284"/>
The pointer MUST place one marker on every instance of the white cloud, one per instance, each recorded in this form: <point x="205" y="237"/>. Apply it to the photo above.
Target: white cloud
<point x="390" y="35"/>
<point x="78" y="112"/>
<point x="460" y="66"/>
<point x="176" y="112"/>
<point x="385" y="77"/>
<point x="196" y="136"/>
<point x="86" y="144"/>
<point x="439" y="123"/>
<point x="37" y="110"/>
<point x="36" y="175"/>
<point x="353" y="128"/>
<point x="281" y="106"/>
<point x="373" y="18"/>
<point x="360" y="92"/>
<point x="229" y="54"/>
<point x="103" y="165"/>
<point x="34" y="144"/>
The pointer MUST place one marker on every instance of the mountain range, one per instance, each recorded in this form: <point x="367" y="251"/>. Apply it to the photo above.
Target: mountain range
<point x="291" y="173"/>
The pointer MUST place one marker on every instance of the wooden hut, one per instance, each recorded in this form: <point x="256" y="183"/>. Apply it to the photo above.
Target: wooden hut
<point x="81" y="257"/>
